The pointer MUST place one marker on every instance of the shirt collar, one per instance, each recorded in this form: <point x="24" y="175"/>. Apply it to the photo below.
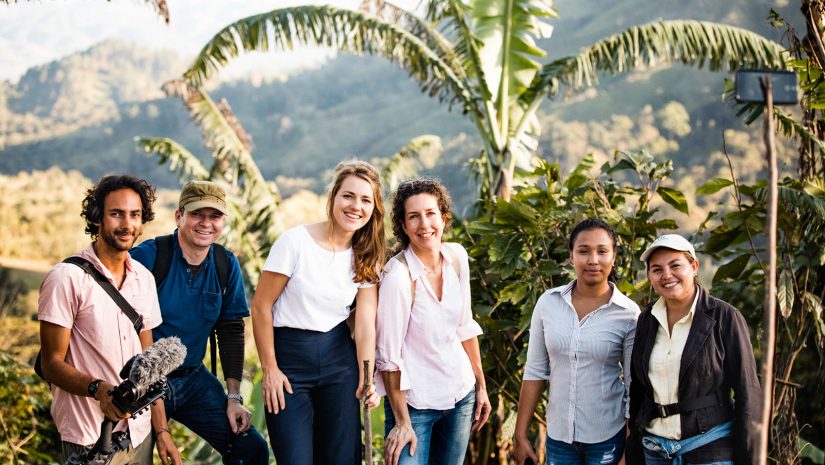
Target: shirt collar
<point x="659" y="310"/>
<point x="415" y="265"/>
<point x="616" y="297"/>
<point x="89" y="254"/>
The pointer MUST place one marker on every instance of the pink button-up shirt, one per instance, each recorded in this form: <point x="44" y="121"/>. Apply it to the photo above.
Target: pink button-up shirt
<point x="422" y="338"/>
<point x="102" y="338"/>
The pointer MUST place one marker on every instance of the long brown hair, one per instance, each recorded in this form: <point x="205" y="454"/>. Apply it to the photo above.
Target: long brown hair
<point x="368" y="248"/>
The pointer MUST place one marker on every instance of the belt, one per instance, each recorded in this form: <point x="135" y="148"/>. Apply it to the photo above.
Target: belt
<point x="181" y="372"/>
<point x="710" y="400"/>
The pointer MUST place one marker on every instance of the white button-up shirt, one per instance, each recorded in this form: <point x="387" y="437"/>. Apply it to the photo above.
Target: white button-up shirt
<point x="665" y="361"/>
<point x="583" y="360"/>
<point x="422" y="337"/>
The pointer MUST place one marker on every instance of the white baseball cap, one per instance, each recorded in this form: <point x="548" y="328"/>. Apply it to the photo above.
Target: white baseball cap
<point x="669" y="241"/>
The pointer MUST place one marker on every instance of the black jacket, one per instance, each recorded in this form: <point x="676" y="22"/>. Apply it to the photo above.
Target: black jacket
<point x="718" y="357"/>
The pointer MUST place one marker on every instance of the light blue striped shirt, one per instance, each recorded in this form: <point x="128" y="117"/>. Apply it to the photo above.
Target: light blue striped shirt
<point x="583" y="362"/>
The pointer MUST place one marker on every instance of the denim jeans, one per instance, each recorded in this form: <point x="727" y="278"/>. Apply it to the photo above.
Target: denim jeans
<point x="664" y="451"/>
<point x="652" y="458"/>
<point x="607" y="452"/>
<point x="198" y="401"/>
<point x="442" y="435"/>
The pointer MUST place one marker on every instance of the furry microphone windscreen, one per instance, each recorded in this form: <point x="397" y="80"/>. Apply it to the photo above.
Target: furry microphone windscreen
<point x="160" y="359"/>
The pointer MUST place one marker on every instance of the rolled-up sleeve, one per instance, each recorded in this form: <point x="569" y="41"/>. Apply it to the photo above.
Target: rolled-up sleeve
<point x="468" y="327"/>
<point x="392" y="321"/>
<point x="537" y="367"/>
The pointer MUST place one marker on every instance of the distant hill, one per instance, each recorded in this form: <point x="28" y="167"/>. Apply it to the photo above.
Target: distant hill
<point x="83" y="111"/>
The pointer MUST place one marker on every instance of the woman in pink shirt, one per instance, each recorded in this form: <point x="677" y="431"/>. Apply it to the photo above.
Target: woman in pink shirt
<point x="427" y="347"/>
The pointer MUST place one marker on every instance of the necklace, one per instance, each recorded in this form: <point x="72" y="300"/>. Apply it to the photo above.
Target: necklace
<point x="434" y="269"/>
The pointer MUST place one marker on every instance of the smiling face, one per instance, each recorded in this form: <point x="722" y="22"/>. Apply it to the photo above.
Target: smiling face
<point x="672" y="274"/>
<point x="592" y="256"/>
<point x="199" y="228"/>
<point x="122" y="220"/>
<point x="353" y="204"/>
<point x="423" y="222"/>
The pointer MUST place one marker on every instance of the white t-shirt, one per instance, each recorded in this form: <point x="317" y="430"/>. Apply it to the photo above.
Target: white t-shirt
<point x="321" y="283"/>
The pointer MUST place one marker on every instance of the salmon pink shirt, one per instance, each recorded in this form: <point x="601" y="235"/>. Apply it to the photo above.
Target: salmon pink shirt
<point x="102" y="339"/>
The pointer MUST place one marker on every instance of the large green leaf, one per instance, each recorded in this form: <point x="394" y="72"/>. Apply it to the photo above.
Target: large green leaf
<point x="732" y="269"/>
<point x="695" y="43"/>
<point x="674" y="198"/>
<point x="713" y="186"/>
<point x="344" y="30"/>
<point x="506" y="31"/>
<point x="785" y="293"/>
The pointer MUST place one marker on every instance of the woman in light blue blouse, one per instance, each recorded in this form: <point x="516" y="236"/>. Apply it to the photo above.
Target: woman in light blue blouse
<point x="581" y="335"/>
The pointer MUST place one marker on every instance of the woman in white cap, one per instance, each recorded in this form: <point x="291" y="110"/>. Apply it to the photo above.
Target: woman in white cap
<point x="695" y="398"/>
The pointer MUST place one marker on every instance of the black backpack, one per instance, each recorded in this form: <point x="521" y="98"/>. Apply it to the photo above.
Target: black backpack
<point x="163" y="261"/>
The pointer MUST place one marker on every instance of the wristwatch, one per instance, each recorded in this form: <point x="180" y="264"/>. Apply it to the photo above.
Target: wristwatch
<point x="93" y="386"/>
<point x="237" y="397"/>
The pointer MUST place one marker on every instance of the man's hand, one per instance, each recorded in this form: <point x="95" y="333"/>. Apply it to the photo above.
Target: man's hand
<point x="106" y="406"/>
<point x="238" y="416"/>
<point x="373" y="399"/>
<point x="482" y="409"/>
<point x="167" y="452"/>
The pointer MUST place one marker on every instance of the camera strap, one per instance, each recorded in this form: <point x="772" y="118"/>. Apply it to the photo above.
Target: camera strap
<point x="128" y="310"/>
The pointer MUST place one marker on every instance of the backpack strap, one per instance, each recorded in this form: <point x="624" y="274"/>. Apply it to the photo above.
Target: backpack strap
<point x="221" y="258"/>
<point x="163" y="258"/>
<point x="88" y="267"/>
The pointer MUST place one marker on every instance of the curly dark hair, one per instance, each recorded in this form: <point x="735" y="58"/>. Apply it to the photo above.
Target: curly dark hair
<point x="96" y="196"/>
<point x="413" y="187"/>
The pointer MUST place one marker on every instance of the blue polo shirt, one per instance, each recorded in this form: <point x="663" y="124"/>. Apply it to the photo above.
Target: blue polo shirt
<point x="190" y="307"/>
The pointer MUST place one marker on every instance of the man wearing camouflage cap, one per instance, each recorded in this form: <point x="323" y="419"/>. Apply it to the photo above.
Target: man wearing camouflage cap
<point x="201" y="290"/>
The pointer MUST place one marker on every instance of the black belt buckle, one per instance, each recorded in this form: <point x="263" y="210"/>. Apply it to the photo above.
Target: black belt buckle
<point x="662" y="411"/>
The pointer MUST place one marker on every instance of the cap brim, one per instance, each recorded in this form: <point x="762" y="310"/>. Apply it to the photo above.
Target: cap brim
<point x="192" y="206"/>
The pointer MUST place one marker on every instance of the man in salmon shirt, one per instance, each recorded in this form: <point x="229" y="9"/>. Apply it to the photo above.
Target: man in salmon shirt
<point x="85" y="337"/>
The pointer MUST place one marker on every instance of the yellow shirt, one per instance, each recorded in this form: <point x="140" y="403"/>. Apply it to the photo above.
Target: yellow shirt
<point x="665" y="358"/>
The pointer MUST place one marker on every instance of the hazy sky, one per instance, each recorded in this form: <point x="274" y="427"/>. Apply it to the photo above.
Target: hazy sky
<point x="39" y="31"/>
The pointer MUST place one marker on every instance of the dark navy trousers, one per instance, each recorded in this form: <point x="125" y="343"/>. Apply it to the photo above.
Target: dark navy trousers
<point x="321" y="423"/>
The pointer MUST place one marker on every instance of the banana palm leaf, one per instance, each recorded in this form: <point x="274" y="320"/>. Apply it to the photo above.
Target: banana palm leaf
<point x="508" y="52"/>
<point x="695" y="43"/>
<point x="180" y="160"/>
<point x="341" y="29"/>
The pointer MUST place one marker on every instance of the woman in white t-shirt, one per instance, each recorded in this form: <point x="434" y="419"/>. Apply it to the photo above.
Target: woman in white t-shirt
<point x="311" y="368"/>
<point x="427" y="345"/>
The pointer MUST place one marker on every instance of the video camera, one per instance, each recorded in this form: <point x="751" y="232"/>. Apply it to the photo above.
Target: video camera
<point x="144" y="382"/>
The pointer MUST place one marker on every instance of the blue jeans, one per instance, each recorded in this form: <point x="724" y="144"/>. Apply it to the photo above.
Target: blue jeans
<point x="321" y="422"/>
<point x="607" y="452"/>
<point x="198" y="401"/>
<point x="663" y="451"/>
<point x="442" y="435"/>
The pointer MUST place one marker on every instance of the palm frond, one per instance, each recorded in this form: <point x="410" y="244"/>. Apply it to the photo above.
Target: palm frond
<point x="341" y="29"/>
<point x="508" y="51"/>
<point x="694" y="43"/>
<point x="180" y="160"/>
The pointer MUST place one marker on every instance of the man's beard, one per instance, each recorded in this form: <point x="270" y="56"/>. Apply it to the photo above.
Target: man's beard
<point x="110" y="238"/>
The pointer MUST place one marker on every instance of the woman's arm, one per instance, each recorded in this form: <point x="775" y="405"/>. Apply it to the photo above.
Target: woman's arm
<point x="366" y="303"/>
<point x="483" y="407"/>
<point x="274" y="382"/>
<point x="528" y="400"/>
<point x="740" y="369"/>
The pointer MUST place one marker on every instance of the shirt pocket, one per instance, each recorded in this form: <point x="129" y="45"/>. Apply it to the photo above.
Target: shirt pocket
<point x="210" y="308"/>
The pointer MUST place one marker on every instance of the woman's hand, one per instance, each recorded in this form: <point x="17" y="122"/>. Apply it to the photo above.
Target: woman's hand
<point x="273" y="385"/>
<point x="373" y="399"/>
<point x="523" y="450"/>
<point x="483" y="409"/>
<point x="399" y="436"/>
